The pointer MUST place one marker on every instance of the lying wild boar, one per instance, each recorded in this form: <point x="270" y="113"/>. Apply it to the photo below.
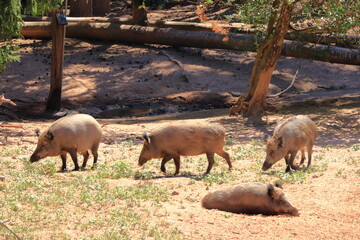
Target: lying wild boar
<point x="71" y="134"/>
<point x="289" y="137"/>
<point x="250" y="198"/>
<point x="184" y="139"/>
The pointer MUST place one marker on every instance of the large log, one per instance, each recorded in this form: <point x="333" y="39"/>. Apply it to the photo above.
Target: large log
<point x="188" y="26"/>
<point x="172" y="37"/>
<point x="348" y="41"/>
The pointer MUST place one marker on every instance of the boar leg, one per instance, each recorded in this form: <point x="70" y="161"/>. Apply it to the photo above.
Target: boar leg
<point x="177" y="164"/>
<point x="166" y="158"/>
<point x="288" y="169"/>
<point x="74" y="158"/>
<point x="210" y="157"/>
<point x="63" y="159"/>
<point x="291" y="160"/>
<point x="86" y="157"/>
<point x="302" y="156"/>
<point x="309" y="150"/>
<point x="226" y="156"/>
<point x="94" y="151"/>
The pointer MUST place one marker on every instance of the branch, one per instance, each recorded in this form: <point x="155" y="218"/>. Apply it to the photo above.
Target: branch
<point x="185" y="75"/>
<point x="292" y="83"/>
<point x="9" y="229"/>
<point x="4" y="100"/>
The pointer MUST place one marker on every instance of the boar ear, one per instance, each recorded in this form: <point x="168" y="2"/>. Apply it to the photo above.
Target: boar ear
<point x="37" y="132"/>
<point x="146" y="137"/>
<point x="49" y="136"/>
<point x="280" y="142"/>
<point x="274" y="193"/>
<point x="278" y="184"/>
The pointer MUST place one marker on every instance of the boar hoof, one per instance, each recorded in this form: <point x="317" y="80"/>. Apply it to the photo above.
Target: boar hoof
<point x="76" y="169"/>
<point x="62" y="170"/>
<point x="163" y="169"/>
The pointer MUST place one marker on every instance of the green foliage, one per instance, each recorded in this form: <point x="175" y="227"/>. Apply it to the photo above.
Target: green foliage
<point x="11" y="22"/>
<point x="255" y="12"/>
<point x="333" y="15"/>
<point x="38" y="7"/>
<point x="10" y="18"/>
<point x="330" y="16"/>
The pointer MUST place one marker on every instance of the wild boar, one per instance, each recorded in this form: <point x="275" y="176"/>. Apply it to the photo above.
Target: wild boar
<point x="71" y="134"/>
<point x="250" y="198"/>
<point x="289" y="137"/>
<point x="184" y="139"/>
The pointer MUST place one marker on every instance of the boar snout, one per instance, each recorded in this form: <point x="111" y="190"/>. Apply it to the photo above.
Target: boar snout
<point x="142" y="161"/>
<point x="294" y="212"/>
<point x="34" y="158"/>
<point x="266" y="166"/>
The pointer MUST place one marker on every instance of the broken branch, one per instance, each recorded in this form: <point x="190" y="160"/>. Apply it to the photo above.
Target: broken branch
<point x="292" y="83"/>
<point x="9" y="229"/>
<point x="185" y="75"/>
<point x="4" y="100"/>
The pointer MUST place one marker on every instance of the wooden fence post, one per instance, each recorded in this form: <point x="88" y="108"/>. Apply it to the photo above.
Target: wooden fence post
<point x="57" y="61"/>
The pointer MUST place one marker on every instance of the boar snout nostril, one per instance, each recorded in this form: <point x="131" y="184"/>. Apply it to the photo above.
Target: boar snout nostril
<point x="34" y="158"/>
<point x="265" y="167"/>
<point x="295" y="213"/>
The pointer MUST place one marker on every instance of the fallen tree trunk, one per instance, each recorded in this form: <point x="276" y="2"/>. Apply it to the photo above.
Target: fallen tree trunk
<point x="172" y="37"/>
<point x="188" y="26"/>
<point x="348" y="41"/>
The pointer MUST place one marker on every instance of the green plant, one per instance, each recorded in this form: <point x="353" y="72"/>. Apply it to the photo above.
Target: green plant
<point x="341" y="174"/>
<point x="219" y="178"/>
<point x="356" y="147"/>
<point x="115" y="170"/>
<point x="146" y="174"/>
<point x="294" y="177"/>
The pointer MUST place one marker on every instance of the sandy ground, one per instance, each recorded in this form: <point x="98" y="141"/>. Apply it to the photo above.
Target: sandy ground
<point x="126" y="85"/>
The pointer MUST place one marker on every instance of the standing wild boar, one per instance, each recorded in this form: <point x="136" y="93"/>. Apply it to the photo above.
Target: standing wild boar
<point x="71" y="134"/>
<point x="289" y="137"/>
<point x="250" y="198"/>
<point x="184" y="139"/>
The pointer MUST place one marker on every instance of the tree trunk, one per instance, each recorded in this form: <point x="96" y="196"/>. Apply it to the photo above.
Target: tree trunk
<point x="172" y="37"/>
<point x="81" y="8"/>
<point x="57" y="62"/>
<point x="101" y="7"/>
<point x="139" y="16"/>
<point x="254" y="102"/>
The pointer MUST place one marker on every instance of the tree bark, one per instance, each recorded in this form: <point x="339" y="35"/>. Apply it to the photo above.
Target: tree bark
<point x="168" y="36"/>
<point x="139" y="16"/>
<point x="53" y="103"/>
<point x="101" y="7"/>
<point x="81" y="8"/>
<point x="254" y="102"/>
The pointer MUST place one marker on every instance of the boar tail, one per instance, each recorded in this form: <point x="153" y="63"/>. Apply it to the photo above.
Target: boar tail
<point x="146" y="137"/>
